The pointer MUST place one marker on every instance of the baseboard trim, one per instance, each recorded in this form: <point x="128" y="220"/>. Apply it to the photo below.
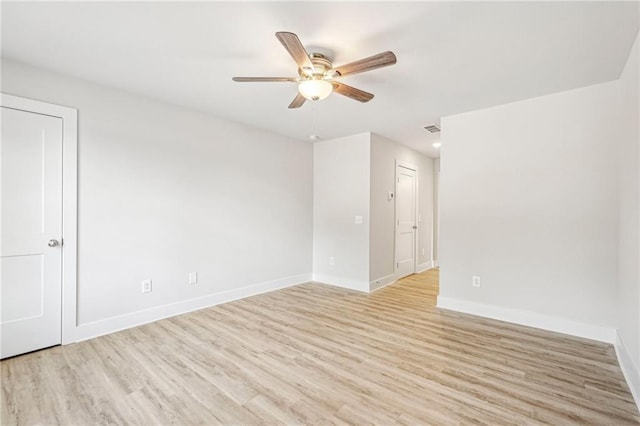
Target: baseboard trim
<point x="436" y="264"/>
<point x="630" y="371"/>
<point x="382" y="282"/>
<point x="110" y="325"/>
<point x="342" y="282"/>
<point x="530" y="319"/>
<point x="424" y="267"/>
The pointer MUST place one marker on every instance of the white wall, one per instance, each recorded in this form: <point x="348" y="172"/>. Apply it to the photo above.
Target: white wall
<point x="528" y="201"/>
<point x="341" y="170"/>
<point x="628" y="306"/>
<point x="384" y="154"/>
<point x="164" y="191"/>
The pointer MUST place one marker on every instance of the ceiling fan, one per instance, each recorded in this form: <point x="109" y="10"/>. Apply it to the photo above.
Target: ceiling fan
<point x="317" y="76"/>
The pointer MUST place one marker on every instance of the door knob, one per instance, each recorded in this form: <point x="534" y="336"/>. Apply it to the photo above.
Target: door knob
<point x="415" y="227"/>
<point x="53" y="243"/>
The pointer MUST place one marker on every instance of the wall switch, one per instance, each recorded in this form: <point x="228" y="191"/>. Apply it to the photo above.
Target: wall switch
<point x="423" y="251"/>
<point x="332" y="261"/>
<point x="146" y="286"/>
<point x="193" y="277"/>
<point x="358" y="220"/>
<point x="475" y="281"/>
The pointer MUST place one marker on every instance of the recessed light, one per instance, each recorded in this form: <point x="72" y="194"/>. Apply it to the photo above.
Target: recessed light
<point x="436" y="144"/>
<point x="314" y="137"/>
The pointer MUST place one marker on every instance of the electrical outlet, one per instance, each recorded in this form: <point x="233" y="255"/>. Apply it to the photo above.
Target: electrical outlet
<point x="193" y="277"/>
<point x="475" y="281"/>
<point x="146" y="286"/>
<point x="332" y="261"/>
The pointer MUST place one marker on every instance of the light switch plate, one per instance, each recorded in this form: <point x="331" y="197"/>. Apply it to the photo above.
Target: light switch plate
<point x="358" y="220"/>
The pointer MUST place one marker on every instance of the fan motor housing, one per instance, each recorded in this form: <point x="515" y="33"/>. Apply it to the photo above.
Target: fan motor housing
<point x="321" y="64"/>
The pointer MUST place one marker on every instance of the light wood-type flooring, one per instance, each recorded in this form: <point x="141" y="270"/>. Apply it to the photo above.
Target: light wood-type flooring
<point x="315" y="354"/>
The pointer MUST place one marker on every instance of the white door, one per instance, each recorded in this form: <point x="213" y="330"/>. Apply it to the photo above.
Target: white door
<point x="31" y="229"/>
<point x="405" y="221"/>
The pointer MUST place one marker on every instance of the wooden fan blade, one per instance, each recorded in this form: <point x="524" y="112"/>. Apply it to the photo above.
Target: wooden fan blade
<point x="292" y="43"/>
<point x="297" y="101"/>
<point x="263" y="79"/>
<point x="352" y="92"/>
<point x="367" y="64"/>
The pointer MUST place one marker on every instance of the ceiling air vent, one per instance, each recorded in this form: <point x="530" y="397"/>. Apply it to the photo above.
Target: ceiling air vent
<point x="432" y="128"/>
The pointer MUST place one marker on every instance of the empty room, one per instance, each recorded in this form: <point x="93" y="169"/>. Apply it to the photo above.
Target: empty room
<point x="239" y="213"/>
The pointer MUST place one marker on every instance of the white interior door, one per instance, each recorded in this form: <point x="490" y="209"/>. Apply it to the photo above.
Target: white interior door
<point x="405" y="221"/>
<point x="31" y="229"/>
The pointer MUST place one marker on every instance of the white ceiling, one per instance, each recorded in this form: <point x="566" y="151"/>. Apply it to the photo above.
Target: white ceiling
<point x="452" y="57"/>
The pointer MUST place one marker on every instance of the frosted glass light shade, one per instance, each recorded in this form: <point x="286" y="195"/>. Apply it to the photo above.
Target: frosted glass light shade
<point x="314" y="90"/>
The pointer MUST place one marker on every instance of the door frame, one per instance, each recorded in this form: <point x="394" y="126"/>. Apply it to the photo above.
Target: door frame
<point x="416" y="240"/>
<point x="69" y="235"/>
<point x="435" y="233"/>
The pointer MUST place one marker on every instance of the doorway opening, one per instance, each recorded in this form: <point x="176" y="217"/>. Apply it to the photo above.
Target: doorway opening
<point x="406" y="216"/>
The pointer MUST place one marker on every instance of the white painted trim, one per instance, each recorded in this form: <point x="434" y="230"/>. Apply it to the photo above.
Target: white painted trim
<point x="342" y="282"/>
<point x="531" y="319"/>
<point x="382" y="282"/>
<point x="69" y="118"/>
<point x="416" y="242"/>
<point x="630" y="371"/>
<point x="424" y="267"/>
<point x="436" y="263"/>
<point x="121" y="322"/>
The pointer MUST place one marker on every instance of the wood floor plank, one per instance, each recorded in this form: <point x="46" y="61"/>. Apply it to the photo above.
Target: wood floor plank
<point x="316" y="354"/>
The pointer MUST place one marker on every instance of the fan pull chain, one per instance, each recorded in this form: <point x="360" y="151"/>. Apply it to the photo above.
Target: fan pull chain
<point x="314" y="116"/>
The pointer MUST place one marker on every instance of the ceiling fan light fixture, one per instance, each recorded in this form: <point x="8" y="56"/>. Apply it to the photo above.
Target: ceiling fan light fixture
<point x="315" y="90"/>
<point x="316" y="74"/>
